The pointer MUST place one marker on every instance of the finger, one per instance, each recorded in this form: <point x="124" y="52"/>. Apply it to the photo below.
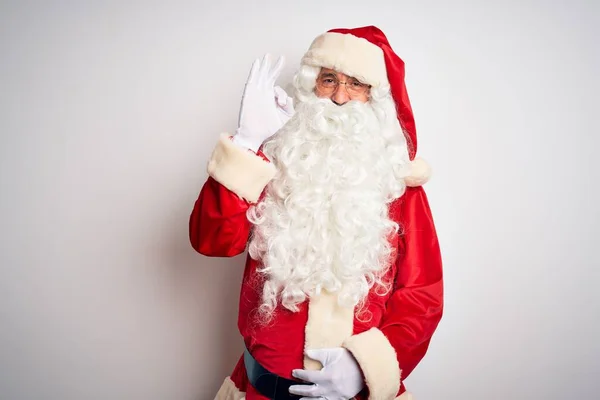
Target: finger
<point x="276" y="70"/>
<point x="254" y="71"/>
<point x="308" y="376"/>
<point x="281" y="96"/>
<point x="265" y="65"/>
<point x="306" y="390"/>
<point x="288" y="109"/>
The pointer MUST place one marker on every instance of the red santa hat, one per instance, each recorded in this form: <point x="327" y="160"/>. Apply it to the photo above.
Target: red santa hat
<point x="366" y="54"/>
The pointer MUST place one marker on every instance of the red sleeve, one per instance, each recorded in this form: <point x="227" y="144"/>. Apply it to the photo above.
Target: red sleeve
<point x="415" y="307"/>
<point x="218" y="224"/>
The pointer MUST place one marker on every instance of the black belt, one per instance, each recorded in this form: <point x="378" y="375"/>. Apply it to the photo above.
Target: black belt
<point x="267" y="383"/>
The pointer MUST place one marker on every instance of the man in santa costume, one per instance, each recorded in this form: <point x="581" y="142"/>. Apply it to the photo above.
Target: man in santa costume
<point x="342" y="289"/>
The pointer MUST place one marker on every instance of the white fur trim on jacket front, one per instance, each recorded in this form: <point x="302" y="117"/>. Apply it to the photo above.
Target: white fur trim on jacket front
<point x="239" y="170"/>
<point x="328" y="325"/>
<point x="378" y="362"/>
<point x="229" y="391"/>
<point x="350" y="55"/>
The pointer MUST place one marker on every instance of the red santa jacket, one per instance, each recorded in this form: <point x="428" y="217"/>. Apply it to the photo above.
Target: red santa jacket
<point x="391" y="335"/>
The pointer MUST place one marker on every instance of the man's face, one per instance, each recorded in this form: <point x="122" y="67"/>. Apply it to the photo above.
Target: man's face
<point x="340" y="88"/>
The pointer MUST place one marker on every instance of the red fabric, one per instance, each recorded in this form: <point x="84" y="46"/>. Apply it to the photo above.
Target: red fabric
<point x="395" y="72"/>
<point x="408" y="316"/>
<point x="218" y="224"/>
<point x="416" y="305"/>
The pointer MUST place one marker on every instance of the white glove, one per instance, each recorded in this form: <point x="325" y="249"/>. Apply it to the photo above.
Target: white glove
<point x="340" y="378"/>
<point x="265" y="108"/>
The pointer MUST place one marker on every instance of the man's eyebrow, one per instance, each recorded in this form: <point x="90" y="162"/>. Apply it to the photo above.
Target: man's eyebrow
<point x="328" y="75"/>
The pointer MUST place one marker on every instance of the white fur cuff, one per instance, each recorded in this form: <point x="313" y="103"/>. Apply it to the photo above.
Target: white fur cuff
<point x="377" y="359"/>
<point x="420" y="172"/>
<point x="239" y="170"/>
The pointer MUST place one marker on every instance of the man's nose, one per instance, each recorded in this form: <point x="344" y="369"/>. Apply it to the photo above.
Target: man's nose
<point x="340" y="96"/>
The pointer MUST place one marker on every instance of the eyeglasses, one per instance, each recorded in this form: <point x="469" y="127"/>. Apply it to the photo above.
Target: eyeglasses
<point x="328" y="83"/>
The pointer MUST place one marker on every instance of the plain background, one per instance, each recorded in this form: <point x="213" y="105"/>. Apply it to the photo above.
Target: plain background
<point x="109" y="111"/>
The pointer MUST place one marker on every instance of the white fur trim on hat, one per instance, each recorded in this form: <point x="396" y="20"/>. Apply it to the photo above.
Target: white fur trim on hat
<point x="420" y="172"/>
<point x="350" y="55"/>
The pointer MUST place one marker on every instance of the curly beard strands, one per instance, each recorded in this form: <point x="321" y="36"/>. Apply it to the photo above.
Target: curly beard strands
<point x="323" y="222"/>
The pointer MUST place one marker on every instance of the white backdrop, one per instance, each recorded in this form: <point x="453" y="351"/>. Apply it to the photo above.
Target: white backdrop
<point x="109" y="111"/>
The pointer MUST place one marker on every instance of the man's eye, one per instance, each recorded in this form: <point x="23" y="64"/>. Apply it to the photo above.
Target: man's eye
<point x="357" y="84"/>
<point x="328" y="82"/>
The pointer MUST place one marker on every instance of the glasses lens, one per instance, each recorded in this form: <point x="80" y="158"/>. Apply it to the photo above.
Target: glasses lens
<point x="327" y="84"/>
<point x="356" y="87"/>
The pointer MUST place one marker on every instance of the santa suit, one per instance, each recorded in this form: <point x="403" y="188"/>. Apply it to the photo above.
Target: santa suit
<point x="390" y="336"/>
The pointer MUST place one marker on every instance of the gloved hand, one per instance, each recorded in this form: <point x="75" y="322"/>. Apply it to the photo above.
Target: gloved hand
<point x="265" y="108"/>
<point x="340" y="378"/>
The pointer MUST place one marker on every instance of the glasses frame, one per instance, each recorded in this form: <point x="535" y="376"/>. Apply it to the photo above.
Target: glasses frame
<point x="351" y="92"/>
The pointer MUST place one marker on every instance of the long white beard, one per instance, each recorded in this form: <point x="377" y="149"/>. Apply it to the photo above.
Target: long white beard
<point x="323" y="222"/>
